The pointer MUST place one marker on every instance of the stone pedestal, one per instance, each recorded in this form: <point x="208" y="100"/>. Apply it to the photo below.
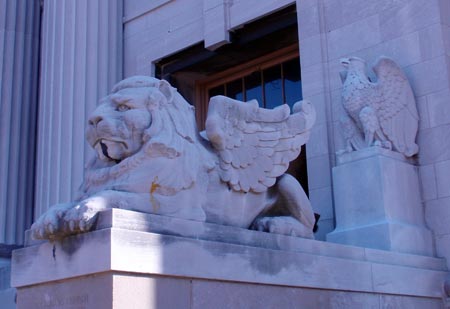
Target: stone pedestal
<point x="378" y="203"/>
<point x="135" y="260"/>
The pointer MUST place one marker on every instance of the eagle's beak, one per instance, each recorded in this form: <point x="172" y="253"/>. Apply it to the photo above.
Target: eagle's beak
<point x="345" y="61"/>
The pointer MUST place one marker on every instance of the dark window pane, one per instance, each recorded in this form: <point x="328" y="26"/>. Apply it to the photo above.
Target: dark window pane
<point x="292" y="81"/>
<point x="253" y="88"/>
<point x="234" y="89"/>
<point x="219" y="90"/>
<point x="273" y="87"/>
<point x="298" y="168"/>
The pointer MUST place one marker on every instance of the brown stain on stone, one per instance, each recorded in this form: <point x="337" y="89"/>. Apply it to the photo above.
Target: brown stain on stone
<point x="153" y="187"/>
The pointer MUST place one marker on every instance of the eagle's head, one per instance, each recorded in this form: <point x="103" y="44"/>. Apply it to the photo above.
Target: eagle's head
<point x="353" y="63"/>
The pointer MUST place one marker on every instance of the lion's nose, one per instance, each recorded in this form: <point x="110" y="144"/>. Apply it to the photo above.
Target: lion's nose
<point x="94" y="120"/>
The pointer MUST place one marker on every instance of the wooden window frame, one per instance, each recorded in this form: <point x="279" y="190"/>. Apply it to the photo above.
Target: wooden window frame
<point x="203" y="86"/>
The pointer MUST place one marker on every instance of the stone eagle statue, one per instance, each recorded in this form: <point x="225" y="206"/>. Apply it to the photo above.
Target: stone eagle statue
<point x="383" y="112"/>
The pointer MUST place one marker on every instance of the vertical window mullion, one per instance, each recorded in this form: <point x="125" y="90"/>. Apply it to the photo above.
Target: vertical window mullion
<point x="263" y="88"/>
<point x="283" y="93"/>
<point x="244" y="92"/>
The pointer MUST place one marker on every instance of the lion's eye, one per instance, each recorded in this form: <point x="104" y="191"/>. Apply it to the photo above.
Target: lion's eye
<point x="122" y="108"/>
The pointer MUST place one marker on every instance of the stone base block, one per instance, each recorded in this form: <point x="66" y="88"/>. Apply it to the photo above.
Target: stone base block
<point x="378" y="203"/>
<point x="391" y="236"/>
<point x="105" y="291"/>
<point x="136" y="260"/>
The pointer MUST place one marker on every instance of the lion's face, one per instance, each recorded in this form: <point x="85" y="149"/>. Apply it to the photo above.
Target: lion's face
<point x="116" y="128"/>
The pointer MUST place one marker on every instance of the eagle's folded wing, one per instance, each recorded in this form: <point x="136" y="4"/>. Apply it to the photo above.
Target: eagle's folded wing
<point x="395" y="106"/>
<point x="255" y="145"/>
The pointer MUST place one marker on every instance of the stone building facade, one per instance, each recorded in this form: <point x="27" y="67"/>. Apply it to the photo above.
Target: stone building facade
<point x="59" y="57"/>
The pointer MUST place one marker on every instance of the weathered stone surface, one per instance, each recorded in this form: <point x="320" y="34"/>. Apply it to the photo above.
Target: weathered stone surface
<point x="93" y="291"/>
<point x="428" y="182"/>
<point x="207" y="294"/>
<point x="340" y="45"/>
<point x="131" y="291"/>
<point x="442" y="247"/>
<point x="437" y="215"/>
<point x="107" y="290"/>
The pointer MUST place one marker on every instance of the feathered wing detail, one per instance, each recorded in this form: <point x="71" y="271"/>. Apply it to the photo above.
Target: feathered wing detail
<point x="255" y="145"/>
<point x="395" y="105"/>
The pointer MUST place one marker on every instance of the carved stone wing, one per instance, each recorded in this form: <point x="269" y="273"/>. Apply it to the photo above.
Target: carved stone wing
<point x="255" y="145"/>
<point x="395" y="106"/>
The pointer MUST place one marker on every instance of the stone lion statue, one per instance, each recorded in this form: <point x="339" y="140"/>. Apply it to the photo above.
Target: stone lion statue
<point x="151" y="158"/>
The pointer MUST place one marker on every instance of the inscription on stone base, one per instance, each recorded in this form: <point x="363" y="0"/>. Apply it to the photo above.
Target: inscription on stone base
<point x="82" y="293"/>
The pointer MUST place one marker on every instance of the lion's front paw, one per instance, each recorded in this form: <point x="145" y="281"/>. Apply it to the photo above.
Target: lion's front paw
<point x="83" y="215"/>
<point x="50" y="224"/>
<point x="284" y="225"/>
<point x="66" y="219"/>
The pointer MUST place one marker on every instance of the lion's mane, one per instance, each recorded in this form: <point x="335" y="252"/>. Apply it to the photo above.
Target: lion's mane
<point x="171" y="141"/>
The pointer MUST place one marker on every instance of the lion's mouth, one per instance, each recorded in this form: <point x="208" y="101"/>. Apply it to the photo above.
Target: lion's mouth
<point x="105" y="153"/>
<point x="110" y="150"/>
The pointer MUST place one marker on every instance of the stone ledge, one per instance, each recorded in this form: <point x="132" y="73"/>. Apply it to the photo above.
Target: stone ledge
<point x="130" y="220"/>
<point x="127" y="242"/>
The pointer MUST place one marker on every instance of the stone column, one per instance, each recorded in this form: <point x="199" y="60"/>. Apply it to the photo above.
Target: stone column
<point x="81" y="59"/>
<point x="19" y="51"/>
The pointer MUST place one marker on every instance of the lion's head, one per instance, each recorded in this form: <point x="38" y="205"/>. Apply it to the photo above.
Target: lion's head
<point x="140" y="109"/>
<point x="147" y="118"/>
<point x="116" y="128"/>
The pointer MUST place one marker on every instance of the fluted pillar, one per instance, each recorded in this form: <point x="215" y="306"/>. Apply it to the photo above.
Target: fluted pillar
<point x="19" y="50"/>
<point x="81" y="59"/>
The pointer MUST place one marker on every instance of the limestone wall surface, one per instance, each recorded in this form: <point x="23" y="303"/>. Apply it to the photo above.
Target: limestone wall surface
<point x="156" y="30"/>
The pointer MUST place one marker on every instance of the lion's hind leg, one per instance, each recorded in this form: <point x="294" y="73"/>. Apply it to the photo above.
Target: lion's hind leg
<point x="285" y="225"/>
<point x="297" y="217"/>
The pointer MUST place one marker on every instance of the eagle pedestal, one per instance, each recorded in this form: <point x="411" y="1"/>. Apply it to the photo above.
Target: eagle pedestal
<point x="378" y="203"/>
